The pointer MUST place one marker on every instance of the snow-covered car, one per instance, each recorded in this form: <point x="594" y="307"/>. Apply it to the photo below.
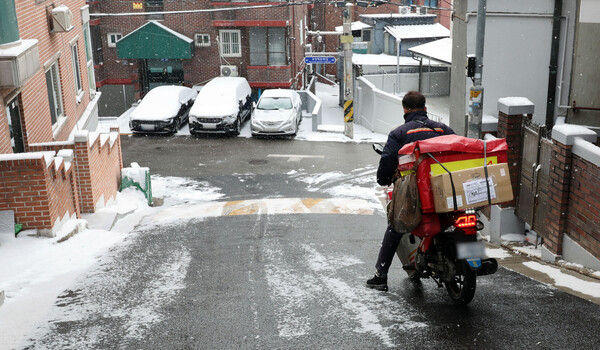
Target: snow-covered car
<point x="163" y="110"/>
<point x="278" y="112"/>
<point x="222" y="106"/>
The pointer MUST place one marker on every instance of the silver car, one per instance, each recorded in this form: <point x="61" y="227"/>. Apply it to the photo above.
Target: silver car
<point x="278" y="112"/>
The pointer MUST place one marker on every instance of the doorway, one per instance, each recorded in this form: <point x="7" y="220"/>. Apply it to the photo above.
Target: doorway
<point x="159" y="72"/>
<point x="13" y="113"/>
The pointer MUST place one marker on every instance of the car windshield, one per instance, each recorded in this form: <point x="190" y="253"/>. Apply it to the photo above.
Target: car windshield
<point x="275" y="103"/>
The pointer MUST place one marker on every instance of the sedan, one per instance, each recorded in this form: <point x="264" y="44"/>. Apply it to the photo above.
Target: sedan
<point x="278" y="112"/>
<point x="163" y="110"/>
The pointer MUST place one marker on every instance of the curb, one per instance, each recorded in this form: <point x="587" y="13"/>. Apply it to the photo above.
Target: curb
<point x="560" y="264"/>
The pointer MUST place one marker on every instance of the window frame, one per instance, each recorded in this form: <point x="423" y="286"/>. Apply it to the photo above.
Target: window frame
<point x="58" y="108"/>
<point x="76" y="71"/>
<point x="110" y="42"/>
<point x="89" y="59"/>
<point x="266" y="48"/>
<point x="204" y="37"/>
<point x="230" y="45"/>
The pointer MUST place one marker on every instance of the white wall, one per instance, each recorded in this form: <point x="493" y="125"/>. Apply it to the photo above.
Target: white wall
<point x="515" y="59"/>
<point x="432" y="83"/>
<point x="516" y="54"/>
<point x="375" y="109"/>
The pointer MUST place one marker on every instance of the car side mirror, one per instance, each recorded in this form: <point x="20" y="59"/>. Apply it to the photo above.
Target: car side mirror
<point x="253" y="104"/>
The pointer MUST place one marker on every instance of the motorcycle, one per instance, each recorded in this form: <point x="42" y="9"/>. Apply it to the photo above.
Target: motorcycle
<point x="452" y="256"/>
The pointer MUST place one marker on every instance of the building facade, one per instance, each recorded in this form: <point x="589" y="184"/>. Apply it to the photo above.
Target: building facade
<point x="47" y="86"/>
<point x="144" y="44"/>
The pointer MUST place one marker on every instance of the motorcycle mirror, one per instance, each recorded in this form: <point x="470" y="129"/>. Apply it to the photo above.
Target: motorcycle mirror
<point x="377" y="147"/>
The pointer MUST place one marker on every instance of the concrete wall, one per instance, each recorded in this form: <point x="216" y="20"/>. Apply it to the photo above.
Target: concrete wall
<point x="432" y="83"/>
<point x="516" y="54"/>
<point x="586" y="70"/>
<point x="375" y="109"/>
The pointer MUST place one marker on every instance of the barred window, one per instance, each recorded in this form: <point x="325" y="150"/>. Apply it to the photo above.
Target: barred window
<point x="230" y="43"/>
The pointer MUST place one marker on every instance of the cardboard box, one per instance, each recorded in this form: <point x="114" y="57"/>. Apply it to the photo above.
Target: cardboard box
<point x="471" y="189"/>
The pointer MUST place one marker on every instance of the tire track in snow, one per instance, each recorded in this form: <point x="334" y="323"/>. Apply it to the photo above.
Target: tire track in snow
<point x="359" y="301"/>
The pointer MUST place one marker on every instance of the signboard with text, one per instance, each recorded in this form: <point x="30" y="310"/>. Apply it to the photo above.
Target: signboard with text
<point x="319" y="59"/>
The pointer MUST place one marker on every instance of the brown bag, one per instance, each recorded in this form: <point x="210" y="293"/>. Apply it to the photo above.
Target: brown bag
<point x="404" y="209"/>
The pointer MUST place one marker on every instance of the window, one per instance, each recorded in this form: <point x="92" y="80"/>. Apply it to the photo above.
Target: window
<point x="202" y="40"/>
<point x="366" y="35"/>
<point x="155" y="6"/>
<point x="89" y="58"/>
<point x="97" y="45"/>
<point x="230" y="43"/>
<point x="113" y="38"/>
<point x="268" y="47"/>
<point x="54" y="95"/>
<point x="431" y="3"/>
<point x="76" y="71"/>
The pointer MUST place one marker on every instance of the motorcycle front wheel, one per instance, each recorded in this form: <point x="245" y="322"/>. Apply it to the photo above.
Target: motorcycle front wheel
<point x="462" y="287"/>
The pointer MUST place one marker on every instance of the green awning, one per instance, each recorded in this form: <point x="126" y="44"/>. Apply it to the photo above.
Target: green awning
<point x="154" y="40"/>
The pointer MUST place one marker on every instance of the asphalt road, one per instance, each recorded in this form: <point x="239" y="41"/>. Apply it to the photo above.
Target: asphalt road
<point x="292" y="280"/>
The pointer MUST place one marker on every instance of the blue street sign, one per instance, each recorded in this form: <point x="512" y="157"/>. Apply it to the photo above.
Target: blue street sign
<point x="319" y="59"/>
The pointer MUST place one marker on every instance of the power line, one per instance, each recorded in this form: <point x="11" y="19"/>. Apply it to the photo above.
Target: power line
<point x="197" y="11"/>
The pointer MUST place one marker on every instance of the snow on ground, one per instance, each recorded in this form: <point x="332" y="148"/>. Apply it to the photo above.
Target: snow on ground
<point x="565" y="280"/>
<point x="331" y="127"/>
<point x="35" y="270"/>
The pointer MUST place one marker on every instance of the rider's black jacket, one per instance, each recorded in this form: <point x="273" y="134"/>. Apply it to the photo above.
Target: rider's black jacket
<point x="416" y="127"/>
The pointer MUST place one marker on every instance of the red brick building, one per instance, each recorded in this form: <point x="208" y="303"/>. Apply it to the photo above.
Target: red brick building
<point x="52" y="167"/>
<point x="261" y="41"/>
<point x="59" y="87"/>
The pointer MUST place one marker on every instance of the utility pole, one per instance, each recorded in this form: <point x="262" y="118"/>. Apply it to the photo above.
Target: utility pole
<point x="347" y="40"/>
<point x="476" y="95"/>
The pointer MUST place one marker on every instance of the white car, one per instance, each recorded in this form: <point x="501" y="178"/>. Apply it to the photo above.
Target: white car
<point x="278" y="112"/>
<point x="222" y="106"/>
<point x="163" y="110"/>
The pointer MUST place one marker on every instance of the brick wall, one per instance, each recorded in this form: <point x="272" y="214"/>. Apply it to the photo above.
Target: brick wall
<point x="205" y="63"/>
<point x="53" y="46"/>
<point x="510" y="127"/>
<point x="39" y="192"/>
<point x="583" y="218"/>
<point x="97" y="162"/>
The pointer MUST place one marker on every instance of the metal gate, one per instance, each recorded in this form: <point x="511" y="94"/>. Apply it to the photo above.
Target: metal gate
<point x="532" y="205"/>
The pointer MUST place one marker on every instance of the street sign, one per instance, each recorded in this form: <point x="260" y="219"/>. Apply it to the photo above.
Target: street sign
<point x="319" y="59"/>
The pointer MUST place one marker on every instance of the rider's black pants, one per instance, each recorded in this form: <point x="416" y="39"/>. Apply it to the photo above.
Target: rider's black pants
<point x="390" y="242"/>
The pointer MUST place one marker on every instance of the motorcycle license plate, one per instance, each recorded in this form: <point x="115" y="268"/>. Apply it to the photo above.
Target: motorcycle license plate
<point x="470" y="250"/>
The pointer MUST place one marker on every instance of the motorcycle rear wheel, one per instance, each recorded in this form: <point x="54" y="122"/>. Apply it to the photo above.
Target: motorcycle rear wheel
<point x="462" y="288"/>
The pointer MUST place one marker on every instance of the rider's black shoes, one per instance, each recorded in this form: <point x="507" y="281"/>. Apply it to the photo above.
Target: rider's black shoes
<point x="378" y="282"/>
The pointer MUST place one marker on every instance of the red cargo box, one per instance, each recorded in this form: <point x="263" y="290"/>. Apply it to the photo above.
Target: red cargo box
<point x="454" y="153"/>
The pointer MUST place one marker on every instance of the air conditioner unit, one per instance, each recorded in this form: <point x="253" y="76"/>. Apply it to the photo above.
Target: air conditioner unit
<point x="229" y="71"/>
<point x="404" y="10"/>
<point x="62" y="18"/>
<point x="422" y="10"/>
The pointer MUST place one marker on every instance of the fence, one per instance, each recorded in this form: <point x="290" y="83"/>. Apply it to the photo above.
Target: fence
<point x="59" y="180"/>
<point x="556" y="181"/>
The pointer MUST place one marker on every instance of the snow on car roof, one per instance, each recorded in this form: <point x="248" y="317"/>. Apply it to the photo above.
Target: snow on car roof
<point x="163" y="102"/>
<point x="221" y="96"/>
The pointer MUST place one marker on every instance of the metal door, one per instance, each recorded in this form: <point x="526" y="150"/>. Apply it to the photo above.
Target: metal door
<point x="535" y="173"/>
